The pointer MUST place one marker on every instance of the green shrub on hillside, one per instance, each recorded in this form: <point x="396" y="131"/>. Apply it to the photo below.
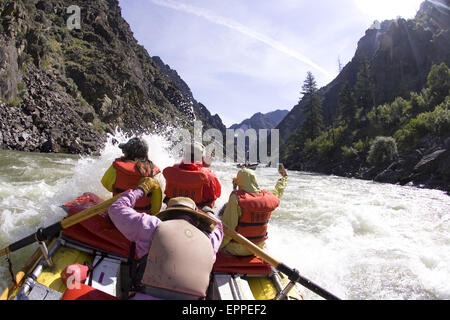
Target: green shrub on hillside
<point x="348" y="152"/>
<point x="435" y="122"/>
<point x="327" y="142"/>
<point x="418" y="103"/>
<point x="388" y="117"/>
<point x="438" y="82"/>
<point x="383" y="150"/>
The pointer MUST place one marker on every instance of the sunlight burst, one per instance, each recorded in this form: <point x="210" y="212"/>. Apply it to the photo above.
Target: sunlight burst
<point x="388" y="9"/>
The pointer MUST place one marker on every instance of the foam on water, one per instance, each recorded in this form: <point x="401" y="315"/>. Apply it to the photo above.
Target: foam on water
<point x="364" y="240"/>
<point x="357" y="239"/>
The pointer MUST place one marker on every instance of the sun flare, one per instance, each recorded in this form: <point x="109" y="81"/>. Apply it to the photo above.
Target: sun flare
<point x="388" y="9"/>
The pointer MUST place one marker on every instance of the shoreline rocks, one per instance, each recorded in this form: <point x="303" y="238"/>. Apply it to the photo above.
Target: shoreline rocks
<point x="47" y="121"/>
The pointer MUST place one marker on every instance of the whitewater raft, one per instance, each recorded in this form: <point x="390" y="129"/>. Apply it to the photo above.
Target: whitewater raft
<point x="97" y="243"/>
<point x="251" y="166"/>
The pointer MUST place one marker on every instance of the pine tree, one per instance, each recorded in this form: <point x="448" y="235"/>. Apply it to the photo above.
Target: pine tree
<point x="364" y="91"/>
<point x="347" y="105"/>
<point x="313" y="123"/>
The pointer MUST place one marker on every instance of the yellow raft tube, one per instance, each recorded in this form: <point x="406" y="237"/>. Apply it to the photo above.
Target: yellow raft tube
<point x="40" y="277"/>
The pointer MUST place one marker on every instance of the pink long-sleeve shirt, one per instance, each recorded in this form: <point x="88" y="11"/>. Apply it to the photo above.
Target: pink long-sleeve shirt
<point x="140" y="227"/>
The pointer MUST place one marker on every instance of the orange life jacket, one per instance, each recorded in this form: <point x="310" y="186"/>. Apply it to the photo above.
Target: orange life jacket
<point x="127" y="177"/>
<point x="185" y="183"/>
<point x="256" y="211"/>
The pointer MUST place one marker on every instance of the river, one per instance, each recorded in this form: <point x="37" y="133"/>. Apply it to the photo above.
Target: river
<point x="358" y="239"/>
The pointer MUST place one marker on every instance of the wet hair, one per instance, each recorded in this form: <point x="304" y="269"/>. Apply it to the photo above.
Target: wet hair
<point x="144" y="166"/>
<point x="136" y="150"/>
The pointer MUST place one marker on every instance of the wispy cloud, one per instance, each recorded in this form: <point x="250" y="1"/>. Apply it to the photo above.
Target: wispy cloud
<point x="236" y="26"/>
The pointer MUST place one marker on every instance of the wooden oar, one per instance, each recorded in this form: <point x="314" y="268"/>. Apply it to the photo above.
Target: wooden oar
<point x="292" y="274"/>
<point x="20" y="276"/>
<point x="52" y="231"/>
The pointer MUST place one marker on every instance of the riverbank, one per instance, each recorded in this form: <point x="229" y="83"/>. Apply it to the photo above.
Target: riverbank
<point x="427" y="166"/>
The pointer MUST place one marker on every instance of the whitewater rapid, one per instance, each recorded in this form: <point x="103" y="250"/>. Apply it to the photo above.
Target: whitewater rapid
<point x="358" y="239"/>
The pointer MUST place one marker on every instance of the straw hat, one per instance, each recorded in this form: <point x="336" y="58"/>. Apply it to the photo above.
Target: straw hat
<point x="186" y="206"/>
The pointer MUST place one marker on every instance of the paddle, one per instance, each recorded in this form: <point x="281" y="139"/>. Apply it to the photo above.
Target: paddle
<point x="20" y="276"/>
<point x="53" y="230"/>
<point x="292" y="274"/>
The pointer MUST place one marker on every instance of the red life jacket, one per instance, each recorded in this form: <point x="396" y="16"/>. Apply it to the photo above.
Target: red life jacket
<point x="127" y="177"/>
<point x="186" y="183"/>
<point x="256" y="211"/>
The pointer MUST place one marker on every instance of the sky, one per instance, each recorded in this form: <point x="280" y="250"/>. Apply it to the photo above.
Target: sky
<point x="240" y="57"/>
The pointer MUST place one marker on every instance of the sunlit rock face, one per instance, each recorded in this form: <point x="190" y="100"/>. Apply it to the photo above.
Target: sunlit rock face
<point x="400" y="54"/>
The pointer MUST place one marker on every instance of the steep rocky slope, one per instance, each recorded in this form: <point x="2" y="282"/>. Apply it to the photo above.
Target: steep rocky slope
<point x="400" y="54"/>
<point x="62" y="88"/>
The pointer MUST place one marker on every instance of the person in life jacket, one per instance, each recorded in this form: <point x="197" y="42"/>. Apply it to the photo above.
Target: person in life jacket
<point x="249" y="209"/>
<point x="177" y="247"/>
<point x="192" y="178"/>
<point x="125" y="173"/>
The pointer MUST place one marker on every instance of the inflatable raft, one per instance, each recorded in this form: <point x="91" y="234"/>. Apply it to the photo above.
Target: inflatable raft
<point x="251" y="166"/>
<point x="98" y="245"/>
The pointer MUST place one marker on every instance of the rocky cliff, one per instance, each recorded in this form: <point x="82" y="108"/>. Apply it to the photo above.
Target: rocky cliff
<point x="63" y="87"/>
<point x="400" y="54"/>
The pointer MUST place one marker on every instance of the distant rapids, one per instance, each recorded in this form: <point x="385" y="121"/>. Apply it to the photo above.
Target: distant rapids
<point x="358" y="239"/>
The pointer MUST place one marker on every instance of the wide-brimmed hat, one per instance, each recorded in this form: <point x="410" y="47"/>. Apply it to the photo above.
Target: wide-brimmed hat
<point x="136" y="147"/>
<point x="185" y="206"/>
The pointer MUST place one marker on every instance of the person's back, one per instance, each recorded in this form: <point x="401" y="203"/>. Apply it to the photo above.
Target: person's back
<point x="178" y="243"/>
<point x="176" y="248"/>
<point x="125" y="173"/>
<point x="249" y="210"/>
<point x="192" y="179"/>
<point x="256" y="210"/>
